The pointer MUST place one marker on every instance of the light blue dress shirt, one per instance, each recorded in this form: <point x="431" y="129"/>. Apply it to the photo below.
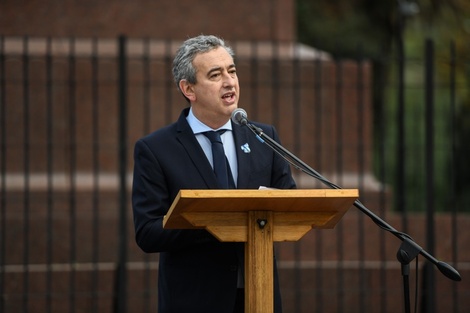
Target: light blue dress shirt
<point x="199" y="127"/>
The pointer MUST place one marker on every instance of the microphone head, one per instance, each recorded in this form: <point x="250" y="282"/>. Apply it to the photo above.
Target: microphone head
<point x="239" y="116"/>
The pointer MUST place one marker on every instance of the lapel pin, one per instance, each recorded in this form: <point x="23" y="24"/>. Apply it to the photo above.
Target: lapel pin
<point x="246" y="148"/>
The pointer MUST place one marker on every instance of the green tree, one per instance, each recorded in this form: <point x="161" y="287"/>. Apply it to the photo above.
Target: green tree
<point x="338" y="26"/>
<point x="375" y="30"/>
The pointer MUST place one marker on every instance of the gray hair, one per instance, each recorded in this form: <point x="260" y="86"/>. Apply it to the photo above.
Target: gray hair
<point x="183" y="62"/>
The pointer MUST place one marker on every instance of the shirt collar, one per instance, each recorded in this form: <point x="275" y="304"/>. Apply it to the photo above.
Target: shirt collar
<point x="199" y="127"/>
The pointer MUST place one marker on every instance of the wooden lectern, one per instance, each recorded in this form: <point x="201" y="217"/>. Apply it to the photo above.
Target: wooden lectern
<point x="258" y="218"/>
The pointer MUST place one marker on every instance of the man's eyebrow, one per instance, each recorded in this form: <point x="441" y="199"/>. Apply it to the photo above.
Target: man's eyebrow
<point x="214" y="69"/>
<point x="219" y="68"/>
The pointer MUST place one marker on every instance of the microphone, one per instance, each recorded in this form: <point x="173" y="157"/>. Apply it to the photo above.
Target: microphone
<point x="239" y="117"/>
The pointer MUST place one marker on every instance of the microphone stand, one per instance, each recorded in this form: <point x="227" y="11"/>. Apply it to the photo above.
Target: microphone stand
<point x="408" y="250"/>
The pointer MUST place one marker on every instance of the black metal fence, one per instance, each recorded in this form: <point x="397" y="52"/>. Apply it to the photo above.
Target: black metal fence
<point x="71" y="109"/>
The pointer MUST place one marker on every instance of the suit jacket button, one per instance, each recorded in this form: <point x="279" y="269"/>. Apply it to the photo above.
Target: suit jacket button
<point x="233" y="268"/>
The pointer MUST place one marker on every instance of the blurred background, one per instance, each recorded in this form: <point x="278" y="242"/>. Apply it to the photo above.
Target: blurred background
<point x="374" y="95"/>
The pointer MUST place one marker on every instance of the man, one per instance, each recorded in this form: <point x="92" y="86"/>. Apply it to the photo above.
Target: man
<point x="197" y="273"/>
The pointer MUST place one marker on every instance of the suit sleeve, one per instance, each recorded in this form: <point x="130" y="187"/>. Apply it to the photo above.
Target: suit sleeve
<point x="151" y="200"/>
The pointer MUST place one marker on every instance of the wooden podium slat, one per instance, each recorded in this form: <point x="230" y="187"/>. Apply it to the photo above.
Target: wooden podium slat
<point x="232" y="226"/>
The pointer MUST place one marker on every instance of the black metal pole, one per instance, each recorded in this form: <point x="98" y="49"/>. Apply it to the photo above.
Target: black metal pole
<point x="429" y="289"/>
<point x="121" y="283"/>
<point x="453" y="131"/>
<point x="400" y="184"/>
<point x="72" y="120"/>
<point x="3" y="166"/>
<point x="27" y="172"/>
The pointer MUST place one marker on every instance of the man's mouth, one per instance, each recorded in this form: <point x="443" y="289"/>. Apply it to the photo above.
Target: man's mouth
<point x="228" y="96"/>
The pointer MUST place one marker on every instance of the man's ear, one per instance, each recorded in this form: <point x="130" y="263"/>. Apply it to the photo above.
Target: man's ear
<point x="187" y="89"/>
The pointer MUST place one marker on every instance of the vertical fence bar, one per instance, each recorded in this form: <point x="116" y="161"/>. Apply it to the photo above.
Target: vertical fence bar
<point x="50" y="174"/>
<point x="73" y="172"/>
<point x="452" y="131"/>
<point x="254" y="67"/>
<point x="3" y="166"/>
<point x="361" y="172"/>
<point x="429" y="288"/>
<point x="318" y="86"/>
<point x="168" y="82"/>
<point x="400" y="185"/>
<point x="147" y="78"/>
<point x="26" y="160"/>
<point x="95" y="273"/>
<point x="121" y="284"/>
<point x="339" y="170"/>
<point x="381" y="169"/>
<point x="296" y="98"/>
<point x="275" y="83"/>
<point x="318" y="118"/>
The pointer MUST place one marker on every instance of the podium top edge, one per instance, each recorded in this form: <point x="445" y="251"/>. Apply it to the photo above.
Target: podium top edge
<point x="262" y="193"/>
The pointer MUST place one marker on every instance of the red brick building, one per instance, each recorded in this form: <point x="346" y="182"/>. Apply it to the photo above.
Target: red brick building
<point x="260" y="20"/>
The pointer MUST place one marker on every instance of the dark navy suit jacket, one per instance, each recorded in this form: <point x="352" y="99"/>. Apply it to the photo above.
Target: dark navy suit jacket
<point x="197" y="273"/>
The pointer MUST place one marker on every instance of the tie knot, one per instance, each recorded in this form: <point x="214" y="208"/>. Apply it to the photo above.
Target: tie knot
<point x="214" y="136"/>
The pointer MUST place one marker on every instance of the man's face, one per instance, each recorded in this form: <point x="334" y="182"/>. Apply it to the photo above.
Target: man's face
<point x="216" y="93"/>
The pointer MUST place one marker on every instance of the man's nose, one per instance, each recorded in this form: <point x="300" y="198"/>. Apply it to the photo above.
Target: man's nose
<point x="228" y="80"/>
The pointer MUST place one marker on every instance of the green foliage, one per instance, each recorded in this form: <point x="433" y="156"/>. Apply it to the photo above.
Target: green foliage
<point x="341" y="26"/>
<point x="338" y="26"/>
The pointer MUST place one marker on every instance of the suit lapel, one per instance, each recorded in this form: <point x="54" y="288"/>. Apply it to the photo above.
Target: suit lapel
<point x="186" y="137"/>
<point x="241" y="137"/>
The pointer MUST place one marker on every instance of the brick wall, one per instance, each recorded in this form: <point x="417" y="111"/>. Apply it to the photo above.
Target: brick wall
<point x="234" y="20"/>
